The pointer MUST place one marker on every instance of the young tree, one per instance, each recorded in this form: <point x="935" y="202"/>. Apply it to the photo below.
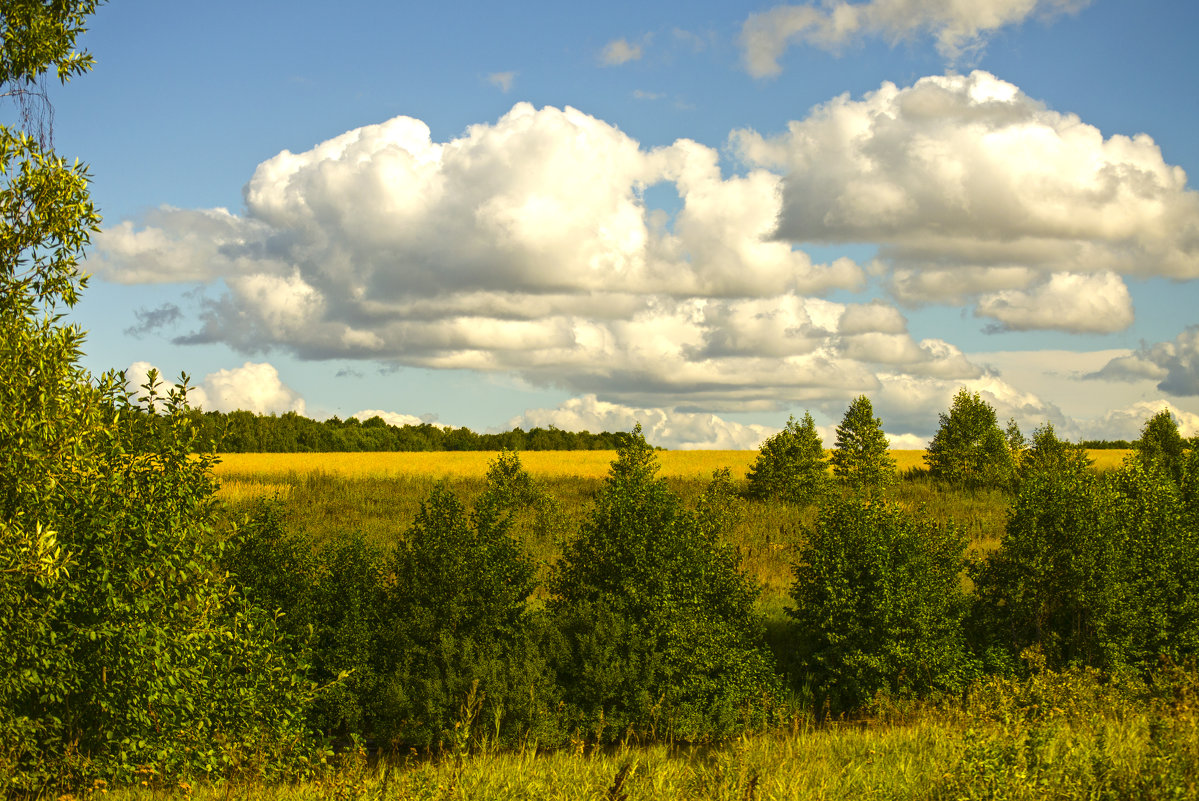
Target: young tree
<point x="970" y="449"/>
<point x="791" y="465"/>
<point x="459" y="624"/>
<point x="1162" y="444"/>
<point x="659" y="624"/>
<point x="860" y="457"/>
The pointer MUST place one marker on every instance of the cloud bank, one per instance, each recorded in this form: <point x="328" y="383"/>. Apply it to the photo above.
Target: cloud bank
<point x="960" y="29"/>
<point x="527" y="246"/>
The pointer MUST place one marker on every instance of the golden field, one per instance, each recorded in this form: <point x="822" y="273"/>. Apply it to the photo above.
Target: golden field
<point x="468" y="464"/>
<point x="245" y="476"/>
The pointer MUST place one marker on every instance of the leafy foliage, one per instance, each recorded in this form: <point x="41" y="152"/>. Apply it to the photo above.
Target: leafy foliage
<point x="878" y="604"/>
<point x="1161" y="443"/>
<point x="791" y="465"/>
<point x="969" y="449"/>
<point x="459" y="624"/>
<point x="1095" y="570"/>
<point x="125" y="648"/>
<point x="860" y="457"/>
<point x="659" y="627"/>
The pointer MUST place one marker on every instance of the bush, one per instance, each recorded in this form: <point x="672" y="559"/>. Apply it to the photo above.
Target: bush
<point x="878" y="605"/>
<point x="460" y="628"/>
<point x="660" y="634"/>
<point x="791" y="465"/>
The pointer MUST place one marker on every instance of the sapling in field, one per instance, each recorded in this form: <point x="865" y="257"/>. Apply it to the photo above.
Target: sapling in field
<point x="791" y="465"/>
<point x="659" y="625"/>
<point x="860" y="456"/>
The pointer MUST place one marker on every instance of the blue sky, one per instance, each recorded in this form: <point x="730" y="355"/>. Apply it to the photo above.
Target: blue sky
<point x="703" y="216"/>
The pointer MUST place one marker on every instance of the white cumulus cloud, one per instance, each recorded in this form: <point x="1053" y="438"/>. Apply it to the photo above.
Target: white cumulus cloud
<point x="530" y="246"/>
<point x="968" y="186"/>
<point x="253" y="387"/>
<point x="668" y="428"/>
<point x="1067" y="302"/>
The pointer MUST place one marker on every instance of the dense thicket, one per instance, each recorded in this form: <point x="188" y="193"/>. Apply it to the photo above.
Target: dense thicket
<point x="123" y="648"/>
<point x="1093" y="569"/>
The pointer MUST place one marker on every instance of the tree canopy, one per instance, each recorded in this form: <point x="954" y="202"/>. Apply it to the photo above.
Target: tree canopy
<point x="970" y="449"/>
<point x="791" y="464"/>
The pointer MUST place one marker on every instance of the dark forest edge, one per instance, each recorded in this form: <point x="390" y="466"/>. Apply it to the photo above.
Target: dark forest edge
<point x="247" y="432"/>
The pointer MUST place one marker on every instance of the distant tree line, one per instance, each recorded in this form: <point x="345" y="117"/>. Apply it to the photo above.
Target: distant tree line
<point x="247" y="432"/>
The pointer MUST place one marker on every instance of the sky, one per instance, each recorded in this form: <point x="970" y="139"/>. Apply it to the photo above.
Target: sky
<point x="701" y="216"/>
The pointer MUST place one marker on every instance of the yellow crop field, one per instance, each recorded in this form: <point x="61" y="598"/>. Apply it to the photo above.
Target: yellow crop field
<point x="465" y="464"/>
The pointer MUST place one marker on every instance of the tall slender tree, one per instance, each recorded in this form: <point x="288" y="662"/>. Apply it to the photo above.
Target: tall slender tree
<point x="860" y="457"/>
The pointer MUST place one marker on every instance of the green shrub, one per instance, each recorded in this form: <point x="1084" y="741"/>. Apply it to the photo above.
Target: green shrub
<point x="659" y="627"/>
<point x="791" y="465"/>
<point x="460" y="629"/>
<point x="878" y="605"/>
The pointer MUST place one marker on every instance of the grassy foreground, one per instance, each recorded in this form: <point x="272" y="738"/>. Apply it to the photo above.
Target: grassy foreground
<point x="1061" y="736"/>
